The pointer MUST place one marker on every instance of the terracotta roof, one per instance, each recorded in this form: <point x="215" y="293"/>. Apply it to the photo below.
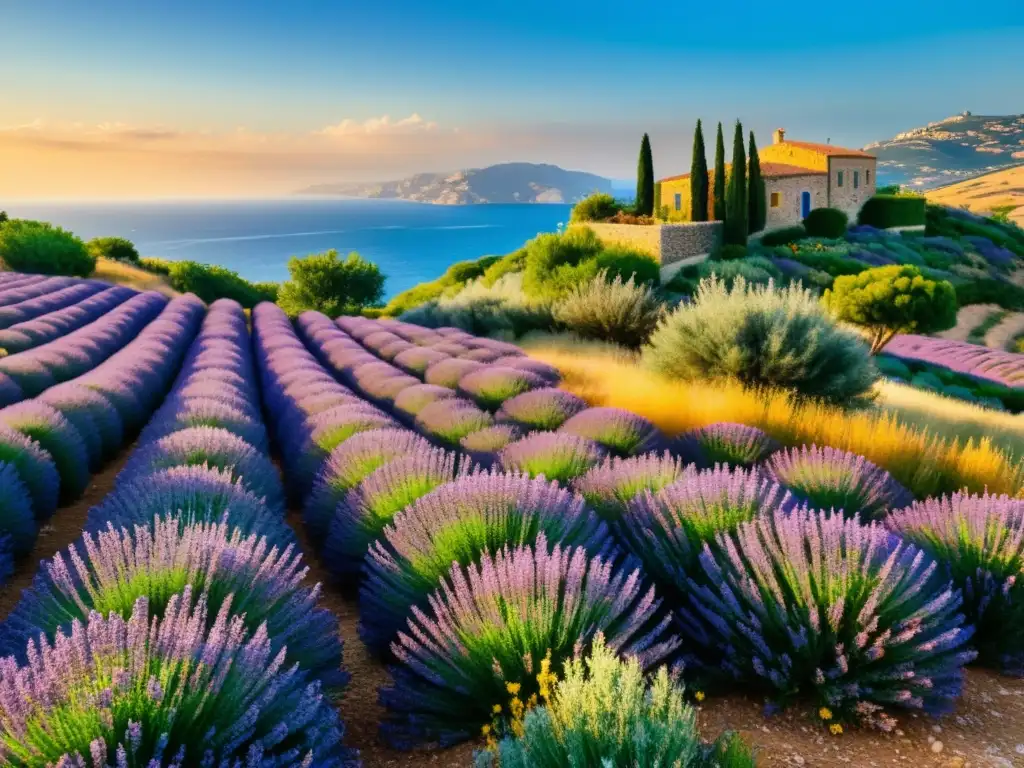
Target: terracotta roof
<point x="768" y="171"/>
<point x="829" y="150"/>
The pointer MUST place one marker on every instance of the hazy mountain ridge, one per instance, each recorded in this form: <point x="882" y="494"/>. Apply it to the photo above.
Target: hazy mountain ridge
<point x="950" y="150"/>
<point x="504" y="183"/>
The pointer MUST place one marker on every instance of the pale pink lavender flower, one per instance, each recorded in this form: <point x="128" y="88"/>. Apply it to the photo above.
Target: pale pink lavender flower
<point x="737" y="445"/>
<point x="611" y="485"/>
<point x="558" y="456"/>
<point x="545" y="409"/>
<point x="621" y="432"/>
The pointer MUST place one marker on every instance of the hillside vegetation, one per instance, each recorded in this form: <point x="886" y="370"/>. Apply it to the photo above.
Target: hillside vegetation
<point x="1000" y="192"/>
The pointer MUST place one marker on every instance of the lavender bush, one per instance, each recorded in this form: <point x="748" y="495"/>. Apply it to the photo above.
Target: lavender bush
<point x="491" y="386"/>
<point x="482" y="355"/>
<point x="543" y="409"/>
<point x="458" y="523"/>
<point x="194" y="493"/>
<point x="522" y="363"/>
<point x="35" y="468"/>
<point x="814" y="604"/>
<point x="411" y="400"/>
<point x="211" y="447"/>
<point x="484" y="445"/>
<point x="451" y="420"/>
<point x="108" y="572"/>
<point x="92" y="415"/>
<point x="557" y="456"/>
<point x="153" y="690"/>
<point x="621" y="432"/>
<point x="829" y="478"/>
<point x="348" y="465"/>
<point x="449" y="371"/>
<point x="979" y="543"/>
<point x="736" y="445"/>
<point x="488" y="628"/>
<point x="204" y="412"/>
<point x="418" y="359"/>
<point x="17" y="522"/>
<point x="55" y="434"/>
<point x="611" y="485"/>
<point x="360" y="517"/>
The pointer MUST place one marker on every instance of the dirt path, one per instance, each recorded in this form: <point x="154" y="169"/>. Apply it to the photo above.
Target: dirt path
<point x="1000" y="336"/>
<point x="967" y="319"/>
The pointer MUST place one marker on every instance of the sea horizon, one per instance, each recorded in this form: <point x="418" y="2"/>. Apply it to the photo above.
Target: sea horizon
<point x="410" y="241"/>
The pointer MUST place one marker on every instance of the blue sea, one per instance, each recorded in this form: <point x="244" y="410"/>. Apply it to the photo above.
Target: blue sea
<point x="411" y="242"/>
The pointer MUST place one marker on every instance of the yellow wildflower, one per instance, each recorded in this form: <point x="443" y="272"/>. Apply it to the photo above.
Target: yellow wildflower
<point x="485" y="730"/>
<point x="825" y="713"/>
<point x="699" y="695"/>
<point x="836" y="729"/>
<point x="496" y="709"/>
<point x="513" y="688"/>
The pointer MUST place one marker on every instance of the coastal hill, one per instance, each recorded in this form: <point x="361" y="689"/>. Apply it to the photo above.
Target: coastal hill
<point x="983" y="194"/>
<point x="504" y="183"/>
<point x="949" y="150"/>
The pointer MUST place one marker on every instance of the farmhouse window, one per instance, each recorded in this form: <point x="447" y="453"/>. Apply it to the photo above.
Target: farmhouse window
<point x="776" y="199"/>
<point x="867" y="177"/>
<point x="679" y="201"/>
<point x="840" y="179"/>
<point x="856" y="179"/>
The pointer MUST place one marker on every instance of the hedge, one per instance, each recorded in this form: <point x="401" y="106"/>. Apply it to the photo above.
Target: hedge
<point x="884" y="211"/>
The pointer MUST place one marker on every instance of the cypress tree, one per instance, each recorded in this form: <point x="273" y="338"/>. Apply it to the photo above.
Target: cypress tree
<point x="718" y="210"/>
<point x="645" y="180"/>
<point x="757" y="211"/>
<point x="736" y="194"/>
<point x="698" y="178"/>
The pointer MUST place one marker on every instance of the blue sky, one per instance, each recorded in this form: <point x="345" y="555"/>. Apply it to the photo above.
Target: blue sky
<point x="565" y="82"/>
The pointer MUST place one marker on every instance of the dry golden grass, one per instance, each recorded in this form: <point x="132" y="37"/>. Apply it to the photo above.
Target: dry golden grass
<point x="125" y="274"/>
<point x="906" y="437"/>
<point x="983" y="193"/>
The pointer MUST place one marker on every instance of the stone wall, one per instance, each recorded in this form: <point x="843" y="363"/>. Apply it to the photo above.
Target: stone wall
<point x="789" y="189"/>
<point x="669" y="243"/>
<point x="849" y="198"/>
<point x="683" y="241"/>
<point x="643" y="237"/>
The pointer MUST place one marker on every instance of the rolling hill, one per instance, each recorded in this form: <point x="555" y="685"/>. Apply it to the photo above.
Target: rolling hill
<point x="985" y="193"/>
<point x="949" y="150"/>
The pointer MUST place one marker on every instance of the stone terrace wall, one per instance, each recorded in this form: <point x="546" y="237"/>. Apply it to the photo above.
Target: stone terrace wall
<point x="685" y="241"/>
<point x="669" y="243"/>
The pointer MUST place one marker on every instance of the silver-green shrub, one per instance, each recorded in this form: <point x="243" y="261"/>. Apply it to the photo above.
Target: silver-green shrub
<point x="501" y="308"/>
<point x="611" y="310"/>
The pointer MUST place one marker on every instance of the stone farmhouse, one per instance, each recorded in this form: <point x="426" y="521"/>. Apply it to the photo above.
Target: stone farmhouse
<point x="799" y="176"/>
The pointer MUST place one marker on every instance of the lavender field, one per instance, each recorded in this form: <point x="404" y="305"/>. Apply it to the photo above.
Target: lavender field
<point x="488" y="528"/>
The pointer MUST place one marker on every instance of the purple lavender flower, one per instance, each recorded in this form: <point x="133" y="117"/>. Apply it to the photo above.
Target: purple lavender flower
<point x="611" y="485"/>
<point x="481" y="355"/>
<point x="458" y="523"/>
<point x="418" y="359"/>
<point x="211" y="447"/>
<point x="556" y="456"/>
<point x="379" y="339"/>
<point x="811" y="603"/>
<point x="385" y="389"/>
<point x="348" y="465"/>
<point x="92" y="415"/>
<point x="412" y="400"/>
<point x="204" y="412"/>
<point x="109" y="571"/>
<point x="484" y="445"/>
<point x="1006" y="368"/>
<point x="621" y="432"/>
<point x="520" y="362"/>
<point x="492" y="623"/>
<point x="198" y="493"/>
<point x="449" y="347"/>
<point x="736" y="445"/>
<point x="55" y="434"/>
<point x="829" y="478"/>
<point x="979" y="543"/>
<point x="447" y="372"/>
<point x="180" y="693"/>
<point x="390" y="350"/>
<point x="451" y="420"/>
<point x="361" y="516"/>
<point x="330" y="429"/>
<point x="543" y="409"/>
<point x="491" y="386"/>
<point x="10" y="392"/>
<point x="17" y="522"/>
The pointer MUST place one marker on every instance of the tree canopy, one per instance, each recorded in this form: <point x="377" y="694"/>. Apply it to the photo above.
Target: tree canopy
<point x="327" y="283"/>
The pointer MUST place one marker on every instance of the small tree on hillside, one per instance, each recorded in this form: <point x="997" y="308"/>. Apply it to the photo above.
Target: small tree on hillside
<point x="757" y="210"/>
<point x="645" y="179"/>
<point x="37" y="246"/>
<point x="116" y="248"/>
<point x="3" y="216"/>
<point x="718" y="207"/>
<point x="889" y="300"/>
<point x="698" y="178"/>
<point x="329" y="284"/>
<point x="736" y="193"/>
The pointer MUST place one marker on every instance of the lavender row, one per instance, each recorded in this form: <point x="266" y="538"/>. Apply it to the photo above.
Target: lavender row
<point x="49" y="302"/>
<point x="388" y="501"/>
<point x="45" y="328"/>
<point x="30" y="286"/>
<point x="31" y="373"/>
<point x="51" y="444"/>
<point x="182" y="562"/>
<point x="1006" y="368"/>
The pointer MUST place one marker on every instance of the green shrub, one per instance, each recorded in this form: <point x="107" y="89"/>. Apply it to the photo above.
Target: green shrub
<point x="448" y="284"/>
<point x="627" y="263"/>
<point x="506" y="265"/>
<point x="211" y="282"/>
<point x="604" y="712"/>
<point x="555" y="263"/>
<point x="893" y="367"/>
<point x="4" y="218"/>
<point x="943" y="221"/>
<point x="611" y="310"/>
<point x="36" y="246"/>
<point x="763" y="337"/>
<point x="326" y="283"/>
<point x="730" y="252"/>
<point x="784" y="236"/>
<point x="884" y="211"/>
<point x="990" y="291"/>
<point x="268" y="290"/>
<point x="115" y="248"/>
<point x="156" y="266"/>
<point x="826" y="222"/>
<point x="597" y="207"/>
<point x="891" y="300"/>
